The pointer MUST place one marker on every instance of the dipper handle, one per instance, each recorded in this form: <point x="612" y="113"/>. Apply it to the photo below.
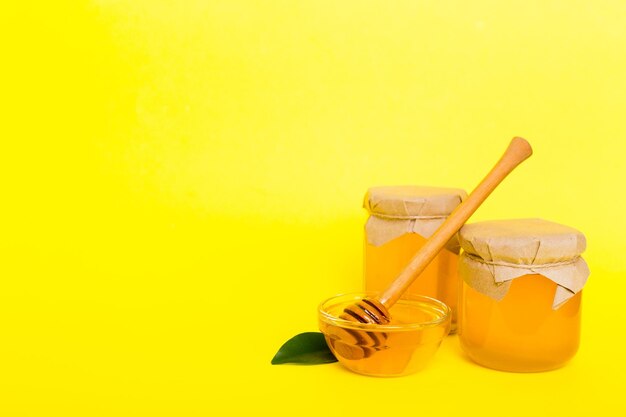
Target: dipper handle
<point x="518" y="150"/>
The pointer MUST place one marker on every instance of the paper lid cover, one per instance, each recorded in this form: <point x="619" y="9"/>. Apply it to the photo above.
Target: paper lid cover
<point x="412" y="201"/>
<point x="522" y="241"/>
<point x="498" y="251"/>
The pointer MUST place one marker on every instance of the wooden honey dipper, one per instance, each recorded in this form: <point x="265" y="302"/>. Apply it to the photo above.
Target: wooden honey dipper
<point x="376" y="309"/>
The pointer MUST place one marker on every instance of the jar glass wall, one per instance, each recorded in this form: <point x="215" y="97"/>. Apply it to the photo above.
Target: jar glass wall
<point x="521" y="332"/>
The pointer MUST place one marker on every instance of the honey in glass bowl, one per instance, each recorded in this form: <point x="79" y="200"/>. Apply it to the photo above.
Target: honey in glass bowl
<point x="404" y="346"/>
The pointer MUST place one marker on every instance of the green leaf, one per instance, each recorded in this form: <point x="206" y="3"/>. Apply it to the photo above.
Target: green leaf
<point x="308" y="348"/>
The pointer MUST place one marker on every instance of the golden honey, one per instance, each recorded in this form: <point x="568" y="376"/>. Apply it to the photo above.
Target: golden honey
<point x="512" y="335"/>
<point x="401" y="219"/>
<point x="403" y="346"/>
<point x="520" y="299"/>
<point x="439" y="280"/>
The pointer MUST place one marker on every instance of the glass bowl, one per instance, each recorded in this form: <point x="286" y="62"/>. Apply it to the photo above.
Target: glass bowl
<point x="402" y="347"/>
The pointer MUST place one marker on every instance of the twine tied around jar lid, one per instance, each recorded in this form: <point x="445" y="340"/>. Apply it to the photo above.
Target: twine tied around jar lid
<point x="397" y="210"/>
<point x="498" y="251"/>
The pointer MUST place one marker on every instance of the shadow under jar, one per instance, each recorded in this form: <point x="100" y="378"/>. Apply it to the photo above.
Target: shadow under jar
<point x="520" y="303"/>
<point x="400" y="221"/>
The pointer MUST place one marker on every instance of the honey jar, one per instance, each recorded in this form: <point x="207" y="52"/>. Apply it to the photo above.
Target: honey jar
<point x="520" y="303"/>
<point x="400" y="220"/>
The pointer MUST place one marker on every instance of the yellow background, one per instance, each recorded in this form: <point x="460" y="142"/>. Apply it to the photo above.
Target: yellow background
<point x="182" y="181"/>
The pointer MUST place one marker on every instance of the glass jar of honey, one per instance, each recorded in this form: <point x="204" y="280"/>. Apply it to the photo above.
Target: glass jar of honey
<point x="520" y="302"/>
<point x="400" y="220"/>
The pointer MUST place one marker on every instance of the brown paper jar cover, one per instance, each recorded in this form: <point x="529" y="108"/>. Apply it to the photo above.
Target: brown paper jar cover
<point x="498" y="251"/>
<point x="396" y="210"/>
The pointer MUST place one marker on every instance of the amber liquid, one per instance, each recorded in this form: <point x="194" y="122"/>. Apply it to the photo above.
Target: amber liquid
<point x="384" y="351"/>
<point x="439" y="280"/>
<point x="520" y="333"/>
